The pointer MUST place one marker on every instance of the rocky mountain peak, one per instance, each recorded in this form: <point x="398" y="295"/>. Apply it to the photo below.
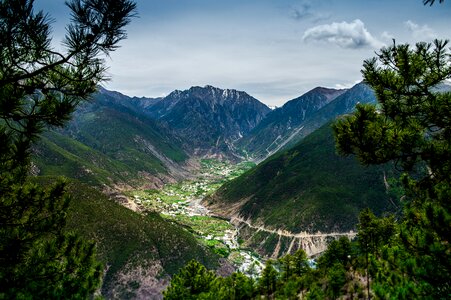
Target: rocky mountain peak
<point x="211" y="94"/>
<point x="210" y="118"/>
<point x="329" y="93"/>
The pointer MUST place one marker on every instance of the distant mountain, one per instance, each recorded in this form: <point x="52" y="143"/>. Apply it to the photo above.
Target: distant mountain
<point x="210" y="119"/>
<point x="343" y="104"/>
<point x="115" y="138"/>
<point x="110" y="140"/>
<point x="137" y="104"/>
<point x="306" y="188"/>
<point x="274" y="130"/>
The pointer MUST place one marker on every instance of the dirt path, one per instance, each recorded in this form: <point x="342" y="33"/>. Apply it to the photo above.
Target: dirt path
<point x="350" y="234"/>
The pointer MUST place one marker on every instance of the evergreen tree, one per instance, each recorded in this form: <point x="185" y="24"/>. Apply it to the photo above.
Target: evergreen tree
<point x="39" y="88"/>
<point x="193" y="281"/>
<point x="268" y="279"/>
<point x="235" y="287"/>
<point x="336" y="279"/>
<point x="338" y="251"/>
<point x="412" y="127"/>
<point x="300" y="263"/>
<point x="286" y="265"/>
<point x="373" y="235"/>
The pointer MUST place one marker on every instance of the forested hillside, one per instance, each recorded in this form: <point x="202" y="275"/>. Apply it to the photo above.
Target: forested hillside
<point x="308" y="188"/>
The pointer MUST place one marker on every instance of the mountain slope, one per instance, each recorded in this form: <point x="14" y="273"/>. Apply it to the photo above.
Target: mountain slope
<point x="210" y="119"/>
<point x="137" y="104"/>
<point x="109" y="140"/>
<point x="281" y="122"/>
<point x="286" y="126"/>
<point x="307" y="188"/>
<point x="343" y="104"/>
<point x="138" y="252"/>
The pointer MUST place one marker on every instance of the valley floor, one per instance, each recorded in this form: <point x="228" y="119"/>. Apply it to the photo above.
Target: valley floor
<point x="181" y="203"/>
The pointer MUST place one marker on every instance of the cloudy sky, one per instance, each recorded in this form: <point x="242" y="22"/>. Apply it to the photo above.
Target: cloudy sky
<point x="275" y="50"/>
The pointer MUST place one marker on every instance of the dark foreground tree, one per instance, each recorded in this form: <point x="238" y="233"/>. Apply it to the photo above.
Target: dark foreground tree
<point x="39" y="88"/>
<point x="431" y="2"/>
<point x="411" y="126"/>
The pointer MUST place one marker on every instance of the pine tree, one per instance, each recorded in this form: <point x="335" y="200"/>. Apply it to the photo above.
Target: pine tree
<point x="300" y="263"/>
<point x="40" y="88"/>
<point x="411" y="126"/>
<point x="338" y="251"/>
<point x="236" y="287"/>
<point x="268" y="279"/>
<point x="191" y="282"/>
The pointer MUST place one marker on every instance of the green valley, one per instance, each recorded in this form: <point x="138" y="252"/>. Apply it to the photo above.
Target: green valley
<point x="200" y="191"/>
<point x="185" y="205"/>
<point x="307" y="188"/>
<point x="180" y="203"/>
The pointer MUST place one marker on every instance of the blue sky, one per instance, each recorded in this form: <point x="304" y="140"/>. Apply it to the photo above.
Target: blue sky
<point x="274" y="50"/>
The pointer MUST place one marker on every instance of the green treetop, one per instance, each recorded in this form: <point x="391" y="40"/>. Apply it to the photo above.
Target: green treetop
<point x="410" y="126"/>
<point x="40" y="87"/>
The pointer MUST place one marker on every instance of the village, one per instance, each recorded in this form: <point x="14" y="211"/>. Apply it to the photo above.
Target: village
<point x="182" y="203"/>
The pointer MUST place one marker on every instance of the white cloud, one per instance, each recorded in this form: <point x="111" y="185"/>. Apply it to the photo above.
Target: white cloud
<point x="352" y="35"/>
<point x="420" y="32"/>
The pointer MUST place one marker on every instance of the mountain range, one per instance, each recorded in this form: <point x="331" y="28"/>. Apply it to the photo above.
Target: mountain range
<point x="115" y="143"/>
<point x="287" y="125"/>
<point x="210" y="119"/>
<point x="110" y="141"/>
<point x="274" y="130"/>
<point x="116" y="139"/>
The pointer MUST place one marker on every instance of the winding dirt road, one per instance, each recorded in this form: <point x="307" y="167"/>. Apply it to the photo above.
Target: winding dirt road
<point x="350" y="234"/>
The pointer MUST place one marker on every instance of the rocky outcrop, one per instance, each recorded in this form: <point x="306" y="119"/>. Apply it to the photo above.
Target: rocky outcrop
<point x="210" y="120"/>
<point x="276" y="243"/>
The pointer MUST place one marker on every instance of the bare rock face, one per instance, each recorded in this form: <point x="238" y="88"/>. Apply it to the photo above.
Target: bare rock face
<point x="276" y="243"/>
<point x="210" y="119"/>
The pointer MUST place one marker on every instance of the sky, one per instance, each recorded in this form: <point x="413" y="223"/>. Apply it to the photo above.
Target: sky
<point x="275" y="50"/>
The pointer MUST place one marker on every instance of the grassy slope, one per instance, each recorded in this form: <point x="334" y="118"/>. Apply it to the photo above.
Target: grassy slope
<point x="112" y="130"/>
<point x="309" y="187"/>
<point x="106" y="142"/>
<point x="57" y="154"/>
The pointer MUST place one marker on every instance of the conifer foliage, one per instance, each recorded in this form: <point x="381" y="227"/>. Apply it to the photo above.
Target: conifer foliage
<point x="39" y="88"/>
<point x="412" y="127"/>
